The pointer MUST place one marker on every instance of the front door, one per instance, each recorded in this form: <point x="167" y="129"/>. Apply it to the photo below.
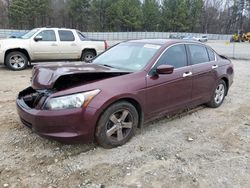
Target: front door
<point x="169" y="92"/>
<point x="46" y="48"/>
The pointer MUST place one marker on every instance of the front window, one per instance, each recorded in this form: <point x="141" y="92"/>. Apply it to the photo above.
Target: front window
<point x="47" y="35"/>
<point x="175" y="56"/>
<point x="128" y="56"/>
<point x="30" y="34"/>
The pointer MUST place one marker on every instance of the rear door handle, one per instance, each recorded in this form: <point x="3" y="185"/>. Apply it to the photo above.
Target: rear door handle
<point x="53" y="44"/>
<point x="214" y="66"/>
<point x="186" y="74"/>
<point x="73" y="44"/>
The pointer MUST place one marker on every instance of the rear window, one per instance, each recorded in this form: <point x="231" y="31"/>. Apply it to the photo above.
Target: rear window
<point x="198" y="54"/>
<point x="211" y="54"/>
<point x="65" y="35"/>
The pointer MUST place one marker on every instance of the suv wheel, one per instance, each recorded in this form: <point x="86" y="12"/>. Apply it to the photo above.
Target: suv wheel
<point x="117" y="125"/>
<point x="16" y="61"/>
<point x="87" y="56"/>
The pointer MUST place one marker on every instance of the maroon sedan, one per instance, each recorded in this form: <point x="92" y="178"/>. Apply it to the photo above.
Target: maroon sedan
<point x="129" y="84"/>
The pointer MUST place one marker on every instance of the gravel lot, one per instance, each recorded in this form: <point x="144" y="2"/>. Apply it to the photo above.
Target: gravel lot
<point x="202" y="148"/>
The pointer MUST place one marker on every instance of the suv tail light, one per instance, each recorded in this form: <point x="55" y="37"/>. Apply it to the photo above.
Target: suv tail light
<point x="106" y="45"/>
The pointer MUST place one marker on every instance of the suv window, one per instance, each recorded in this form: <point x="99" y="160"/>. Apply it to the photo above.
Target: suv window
<point x="66" y="35"/>
<point x="211" y="54"/>
<point x="175" y="55"/>
<point x="198" y="54"/>
<point x="47" y="35"/>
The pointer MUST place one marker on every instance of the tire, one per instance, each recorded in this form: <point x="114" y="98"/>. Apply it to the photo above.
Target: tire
<point x="87" y="56"/>
<point x="16" y="61"/>
<point x="117" y="125"/>
<point x="218" y="95"/>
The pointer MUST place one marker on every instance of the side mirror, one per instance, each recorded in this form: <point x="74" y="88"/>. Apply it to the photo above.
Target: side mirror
<point x="38" y="38"/>
<point x="165" y="69"/>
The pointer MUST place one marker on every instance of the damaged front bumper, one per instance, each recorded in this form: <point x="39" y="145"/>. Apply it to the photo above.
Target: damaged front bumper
<point x="68" y="125"/>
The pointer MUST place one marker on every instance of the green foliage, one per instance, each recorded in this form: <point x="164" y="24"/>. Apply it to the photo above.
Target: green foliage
<point x="151" y="15"/>
<point x="128" y="15"/>
<point x="3" y="20"/>
<point x="79" y="13"/>
<point x="100" y="17"/>
<point x="194" y="13"/>
<point x="175" y="15"/>
<point x="28" y="13"/>
<point x="125" y="15"/>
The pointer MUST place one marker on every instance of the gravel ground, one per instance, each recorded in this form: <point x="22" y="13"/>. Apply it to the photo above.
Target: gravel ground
<point x="202" y="148"/>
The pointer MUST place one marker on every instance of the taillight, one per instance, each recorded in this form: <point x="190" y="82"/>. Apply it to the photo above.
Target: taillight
<point x="106" y="45"/>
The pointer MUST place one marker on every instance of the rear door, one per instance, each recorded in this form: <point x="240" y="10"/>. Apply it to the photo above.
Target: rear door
<point x="69" y="46"/>
<point x="204" y="72"/>
<point x="170" y="91"/>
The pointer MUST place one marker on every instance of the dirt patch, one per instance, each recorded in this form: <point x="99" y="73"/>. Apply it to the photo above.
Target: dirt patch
<point x="204" y="148"/>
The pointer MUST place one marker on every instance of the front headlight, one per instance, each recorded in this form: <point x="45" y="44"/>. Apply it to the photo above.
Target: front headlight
<point x="78" y="100"/>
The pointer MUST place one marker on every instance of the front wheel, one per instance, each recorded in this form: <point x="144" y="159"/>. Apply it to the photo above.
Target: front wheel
<point x="218" y="95"/>
<point x="117" y="125"/>
<point x="16" y="61"/>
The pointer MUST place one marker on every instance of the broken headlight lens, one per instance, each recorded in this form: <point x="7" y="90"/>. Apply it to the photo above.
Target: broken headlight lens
<point x="71" y="101"/>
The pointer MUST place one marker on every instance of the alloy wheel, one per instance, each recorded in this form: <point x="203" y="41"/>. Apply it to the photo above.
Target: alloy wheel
<point x="119" y="125"/>
<point x="17" y="61"/>
<point x="219" y="94"/>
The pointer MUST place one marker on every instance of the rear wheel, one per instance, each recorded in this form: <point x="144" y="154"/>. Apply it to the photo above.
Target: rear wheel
<point x="87" y="56"/>
<point x="219" y="95"/>
<point x="16" y="61"/>
<point x="117" y="125"/>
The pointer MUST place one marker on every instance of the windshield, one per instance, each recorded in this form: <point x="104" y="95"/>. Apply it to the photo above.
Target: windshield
<point x="29" y="34"/>
<point x="129" y="56"/>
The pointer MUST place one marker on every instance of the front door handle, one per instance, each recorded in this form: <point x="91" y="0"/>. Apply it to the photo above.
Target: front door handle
<point x="186" y="74"/>
<point x="54" y="44"/>
<point x="214" y="66"/>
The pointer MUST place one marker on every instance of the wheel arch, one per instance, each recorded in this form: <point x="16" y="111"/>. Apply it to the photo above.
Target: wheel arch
<point x="225" y="79"/>
<point x="132" y="101"/>
<point x="89" y="49"/>
<point x="22" y="50"/>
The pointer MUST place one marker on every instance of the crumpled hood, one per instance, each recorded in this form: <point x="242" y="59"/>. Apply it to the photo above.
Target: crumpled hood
<point x="45" y="76"/>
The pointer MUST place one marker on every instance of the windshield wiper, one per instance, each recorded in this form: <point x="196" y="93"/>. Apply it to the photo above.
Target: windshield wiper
<point x="105" y="65"/>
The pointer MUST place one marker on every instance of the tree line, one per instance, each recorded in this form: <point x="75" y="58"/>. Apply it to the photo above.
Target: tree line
<point x="205" y="16"/>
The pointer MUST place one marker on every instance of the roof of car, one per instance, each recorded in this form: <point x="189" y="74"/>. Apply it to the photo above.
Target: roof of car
<point x="162" y="41"/>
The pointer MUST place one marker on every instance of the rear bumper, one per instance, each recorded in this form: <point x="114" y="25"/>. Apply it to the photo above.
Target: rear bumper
<point x="68" y="126"/>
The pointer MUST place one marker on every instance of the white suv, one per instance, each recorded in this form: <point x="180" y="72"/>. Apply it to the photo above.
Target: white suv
<point x="48" y="44"/>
